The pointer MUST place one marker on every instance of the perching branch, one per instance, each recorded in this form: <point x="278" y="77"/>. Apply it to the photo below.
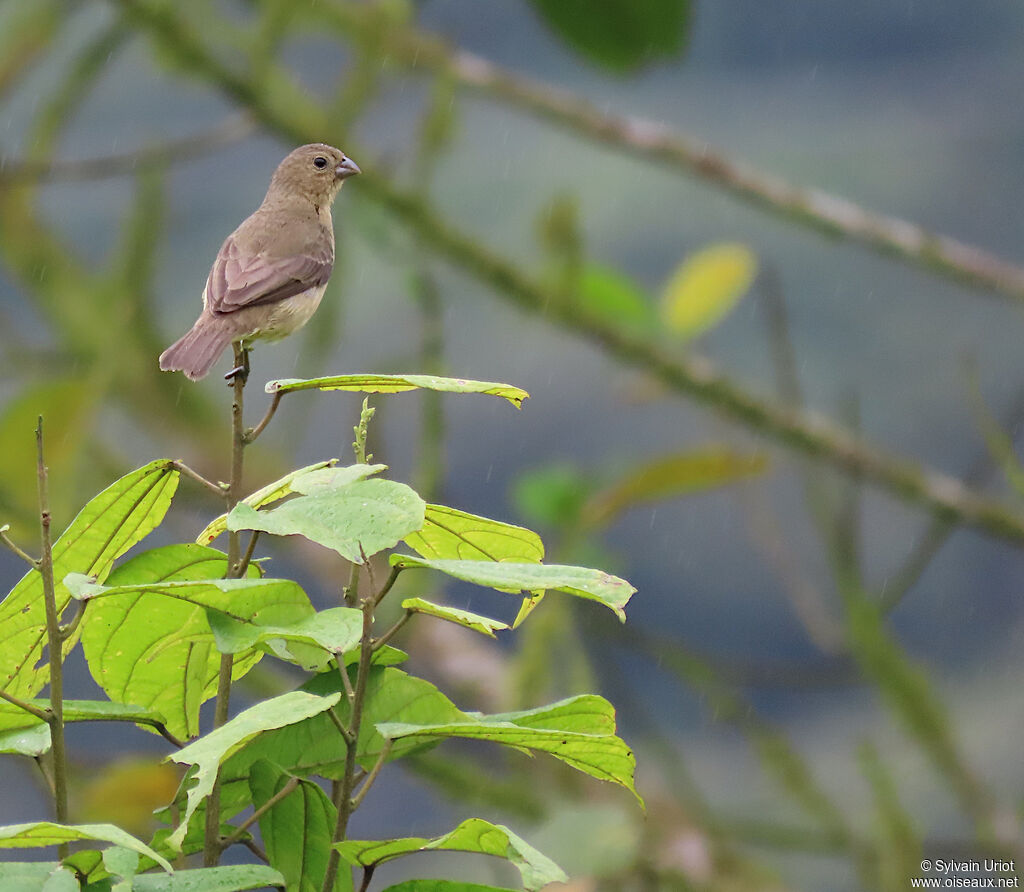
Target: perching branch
<point x="54" y="643"/>
<point x="13" y="546"/>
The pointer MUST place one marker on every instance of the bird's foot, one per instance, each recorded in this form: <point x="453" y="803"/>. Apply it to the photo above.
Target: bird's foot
<point x="240" y="373"/>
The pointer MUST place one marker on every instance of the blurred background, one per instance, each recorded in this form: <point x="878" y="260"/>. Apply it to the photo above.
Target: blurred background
<point x="748" y="396"/>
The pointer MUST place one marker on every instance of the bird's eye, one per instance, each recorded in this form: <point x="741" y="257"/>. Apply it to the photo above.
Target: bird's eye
<point x="319" y="162"/>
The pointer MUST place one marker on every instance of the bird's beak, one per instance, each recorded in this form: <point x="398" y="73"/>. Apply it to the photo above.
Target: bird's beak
<point x="347" y="168"/>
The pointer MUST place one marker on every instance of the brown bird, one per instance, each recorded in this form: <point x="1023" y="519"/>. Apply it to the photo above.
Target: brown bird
<point x="271" y="272"/>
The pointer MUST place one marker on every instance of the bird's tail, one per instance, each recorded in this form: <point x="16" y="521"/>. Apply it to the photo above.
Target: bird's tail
<point x="196" y="353"/>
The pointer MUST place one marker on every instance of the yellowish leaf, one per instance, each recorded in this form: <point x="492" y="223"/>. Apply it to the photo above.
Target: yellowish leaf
<point x="706" y="286"/>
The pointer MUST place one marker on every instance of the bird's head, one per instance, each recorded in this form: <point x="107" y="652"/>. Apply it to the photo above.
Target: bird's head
<point x="315" y="172"/>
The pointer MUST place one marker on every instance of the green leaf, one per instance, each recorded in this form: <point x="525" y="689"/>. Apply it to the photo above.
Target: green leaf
<point x="28" y="741"/>
<point x="297" y="831"/>
<point x="235" y="878"/>
<point x="399" y="384"/>
<point x="209" y="752"/>
<point x="553" y="495"/>
<point x="272" y="492"/>
<point x="476" y="836"/>
<point x="110" y="524"/>
<point x="473" y="621"/>
<point x="443" y="886"/>
<point x="147" y="637"/>
<point x="120" y="861"/>
<point x="31" y="876"/>
<point x="579" y="731"/>
<point x="448" y="533"/>
<point x="706" y="286"/>
<point x="329" y="632"/>
<point x="46" y="833"/>
<point x="595" y="585"/>
<point x="618" y="34"/>
<point x="671" y="476"/>
<point x="353" y="518"/>
<point x="610" y="295"/>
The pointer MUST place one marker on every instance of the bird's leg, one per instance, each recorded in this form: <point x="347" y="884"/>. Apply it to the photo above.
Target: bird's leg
<point x="240" y="371"/>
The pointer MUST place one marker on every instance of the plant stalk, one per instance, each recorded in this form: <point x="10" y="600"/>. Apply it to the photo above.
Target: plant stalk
<point x="55" y="714"/>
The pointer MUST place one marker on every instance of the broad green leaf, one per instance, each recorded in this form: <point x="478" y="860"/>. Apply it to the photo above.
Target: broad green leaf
<point x="448" y="533"/>
<point x="596" y="585"/>
<point x="28" y="741"/>
<point x="443" y="886"/>
<point x="474" y="835"/>
<point x="399" y="384"/>
<point x="553" y="495"/>
<point x="671" y="476"/>
<point x="272" y="492"/>
<point x="297" y="831"/>
<point x="610" y="295"/>
<point x="235" y="878"/>
<point x="147" y="637"/>
<point x="209" y="752"/>
<point x="46" y="833"/>
<point x="353" y="518"/>
<point x="121" y="862"/>
<point x="473" y="621"/>
<point x="320" y="636"/>
<point x="110" y="524"/>
<point x="618" y="34"/>
<point x="31" y="876"/>
<point x="706" y="286"/>
<point x="579" y="731"/>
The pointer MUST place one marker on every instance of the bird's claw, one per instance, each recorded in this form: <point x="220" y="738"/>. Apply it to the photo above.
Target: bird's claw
<point x="241" y="372"/>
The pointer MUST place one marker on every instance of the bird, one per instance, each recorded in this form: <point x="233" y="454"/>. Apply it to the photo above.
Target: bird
<point x="271" y="272"/>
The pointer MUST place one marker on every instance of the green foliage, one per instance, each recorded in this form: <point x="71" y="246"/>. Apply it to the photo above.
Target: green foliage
<point x="46" y="833"/>
<point x="399" y="384"/>
<point x="617" y="34"/>
<point x="475" y="836"/>
<point x="111" y="523"/>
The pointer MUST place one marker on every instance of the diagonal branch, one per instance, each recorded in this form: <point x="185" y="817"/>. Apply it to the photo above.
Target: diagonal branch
<point x="690" y="375"/>
<point x="831" y="215"/>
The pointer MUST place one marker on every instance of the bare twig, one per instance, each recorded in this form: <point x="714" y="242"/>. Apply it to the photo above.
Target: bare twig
<point x="367" y="876"/>
<point x="30" y="708"/>
<point x="233" y="494"/>
<point x="388" y="584"/>
<point x="216" y="488"/>
<point x="372" y="776"/>
<point x="254" y="432"/>
<point x="828" y="214"/>
<point x="378" y="643"/>
<point x="13" y="546"/>
<point x="239" y="831"/>
<point x="232" y="130"/>
<point x="247" y="557"/>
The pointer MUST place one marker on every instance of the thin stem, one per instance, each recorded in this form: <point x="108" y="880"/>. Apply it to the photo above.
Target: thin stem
<point x="388" y="583"/>
<point x="233" y="494"/>
<point x="367" y="876"/>
<point x="239" y="832"/>
<point x="247" y="557"/>
<point x="41" y="714"/>
<point x="346" y="682"/>
<point x="254" y="432"/>
<point x="67" y="631"/>
<point x="344" y="802"/>
<point x="216" y="488"/>
<point x="11" y="544"/>
<point x="372" y="776"/>
<point x="340" y="725"/>
<point x="253" y="847"/>
<point x="55" y="714"/>
<point x="378" y="643"/>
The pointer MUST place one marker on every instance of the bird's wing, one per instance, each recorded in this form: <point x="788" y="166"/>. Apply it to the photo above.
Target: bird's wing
<point x="240" y="278"/>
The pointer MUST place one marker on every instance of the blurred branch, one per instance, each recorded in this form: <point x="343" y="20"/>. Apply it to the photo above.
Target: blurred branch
<point x="828" y="214"/>
<point x="805" y="432"/>
<point x="229" y="131"/>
